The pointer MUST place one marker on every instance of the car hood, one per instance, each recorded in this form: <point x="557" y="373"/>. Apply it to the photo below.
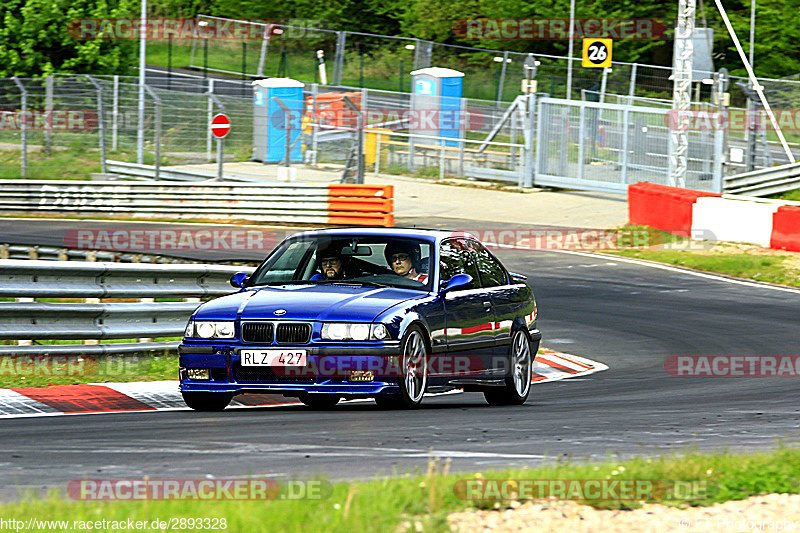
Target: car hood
<point x="334" y="303"/>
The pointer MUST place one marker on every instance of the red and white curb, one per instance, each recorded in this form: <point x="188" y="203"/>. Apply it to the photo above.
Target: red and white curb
<point x="154" y="396"/>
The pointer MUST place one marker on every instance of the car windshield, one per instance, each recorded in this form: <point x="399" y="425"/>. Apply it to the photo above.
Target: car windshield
<point x="379" y="261"/>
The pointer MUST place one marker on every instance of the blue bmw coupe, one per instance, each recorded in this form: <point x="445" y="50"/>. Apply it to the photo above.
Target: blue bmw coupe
<point x="387" y="314"/>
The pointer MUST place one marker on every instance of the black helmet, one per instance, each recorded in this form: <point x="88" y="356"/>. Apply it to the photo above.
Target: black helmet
<point x="402" y="247"/>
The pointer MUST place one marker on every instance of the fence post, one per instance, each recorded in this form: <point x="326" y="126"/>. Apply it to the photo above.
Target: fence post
<point x="48" y="105"/>
<point x="528" y="132"/>
<point x="24" y="125"/>
<point x="101" y="125"/>
<point x="625" y="130"/>
<point x="501" y="84"/>
<point x="377" y="153"/>
<point x="338" y="63"/>
<point x="719" y="157"/>
<point x="632" y="87"/>
<point x="157" y="101"/>
<point x="209" y="116"/>
<point x="538" y="152"/>
<point x="582" y="112"/>
<point x="314" y="125"/>
<point x="115" y="114"/>
<point x="603" y="83"/>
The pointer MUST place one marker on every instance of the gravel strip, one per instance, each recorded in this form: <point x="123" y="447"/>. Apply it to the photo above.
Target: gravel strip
<point x="773" y="512"/>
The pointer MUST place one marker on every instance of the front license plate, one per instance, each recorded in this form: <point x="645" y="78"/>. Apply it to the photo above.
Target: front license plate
<point x="273" y="357"/>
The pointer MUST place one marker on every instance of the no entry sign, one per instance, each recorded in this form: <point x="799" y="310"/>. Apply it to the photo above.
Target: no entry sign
<point x="220" y="125"/>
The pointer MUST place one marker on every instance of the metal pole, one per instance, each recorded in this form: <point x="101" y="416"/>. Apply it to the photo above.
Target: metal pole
<point x="314" y="123"/>
<point x="210" y="115"/>
<point x="169" y="62"/>
<point x="632" y="86"/>
<point x="501" y="84"/>
<point x="359" y="139"/>
<point x="569" y="52"/>
<point x="220" y="157"/>
<point x="582" y="112"/>
<point x="157" y="101"/>
<point x="48" y="104"/>
<point x="377" y="152"/>
<point x="23" y="125"/>
<point x="681" y="91"/>
<point x="100" y="124"/>
<point x="142" y="61"/>
<point x="758" y="87"/>
<point x="115" y="114"/>
<point x="262" y="57"/>
<point x="205" y="58"/>
<point x="603" y="83"/>
<point x="752" y="29"/>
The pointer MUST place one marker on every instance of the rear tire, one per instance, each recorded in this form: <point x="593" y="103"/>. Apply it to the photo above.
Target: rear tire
<point x="414" y="378"/>
<point x="321" y="402"/>
<point x="207" y="401"/>
<point x="518" y="381"/>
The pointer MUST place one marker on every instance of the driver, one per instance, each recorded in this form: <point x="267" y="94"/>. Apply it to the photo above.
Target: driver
<point x="404" y="259"/>
<point x="335" y="265"/>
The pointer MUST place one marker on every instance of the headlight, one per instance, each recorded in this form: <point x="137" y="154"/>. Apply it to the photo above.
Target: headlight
<point x="339" y="331"/>
<point x="211" y="330"/>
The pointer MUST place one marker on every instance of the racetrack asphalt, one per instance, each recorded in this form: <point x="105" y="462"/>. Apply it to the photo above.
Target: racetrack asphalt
<point x="627" y="316"/>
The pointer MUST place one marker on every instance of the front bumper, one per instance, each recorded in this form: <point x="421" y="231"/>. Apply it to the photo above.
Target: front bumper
<point x="326" y="372"/>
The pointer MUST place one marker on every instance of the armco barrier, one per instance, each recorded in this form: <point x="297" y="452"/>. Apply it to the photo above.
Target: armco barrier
<point x="340" y="204"/>
<point x="662" y="207"/>
<point x="786" y="229"/>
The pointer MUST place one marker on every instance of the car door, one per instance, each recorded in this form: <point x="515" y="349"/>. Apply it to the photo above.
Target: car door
<point x="469" y="317"/>
<point x="508" y="299"/>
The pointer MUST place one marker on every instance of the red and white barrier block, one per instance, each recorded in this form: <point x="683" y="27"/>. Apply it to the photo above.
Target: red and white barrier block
<point x="767" y="223"/>
<point x="153" y="396"/>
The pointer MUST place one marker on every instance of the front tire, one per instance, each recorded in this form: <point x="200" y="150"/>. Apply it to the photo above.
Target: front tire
<point x="414" y="380"/>
<point x="518" y="383"/>
<point x="320" y="402"/>
<point x="207" y="401"/>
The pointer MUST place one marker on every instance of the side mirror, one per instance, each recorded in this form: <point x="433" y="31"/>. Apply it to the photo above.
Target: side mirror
<point x="239" y="279"/>
<point x="459" y="281"/>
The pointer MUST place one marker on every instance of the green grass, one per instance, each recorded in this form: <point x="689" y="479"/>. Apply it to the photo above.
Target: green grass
<point x="385" y="504"/>
<point x="707" y="256"/>
<point x="19" y="371"/>
<point x="791" y="195"/>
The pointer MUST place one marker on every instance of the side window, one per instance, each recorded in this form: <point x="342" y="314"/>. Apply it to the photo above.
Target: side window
<point x="492" y="272"/>
<point x="456" y="258"/>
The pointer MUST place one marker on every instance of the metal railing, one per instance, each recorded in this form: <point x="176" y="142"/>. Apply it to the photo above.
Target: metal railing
<point x="37" y="320"/>
<point x="765" y="181"/>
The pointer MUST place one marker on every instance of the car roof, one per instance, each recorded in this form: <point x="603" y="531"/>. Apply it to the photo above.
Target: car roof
<point x="415" y="233"/>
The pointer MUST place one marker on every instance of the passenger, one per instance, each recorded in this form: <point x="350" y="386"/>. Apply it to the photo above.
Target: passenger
<point x="404" y="259"/>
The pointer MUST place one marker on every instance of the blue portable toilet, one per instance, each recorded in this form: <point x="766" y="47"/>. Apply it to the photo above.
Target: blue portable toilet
<point x="269" y="119"/>
<point x="436" y="103"/>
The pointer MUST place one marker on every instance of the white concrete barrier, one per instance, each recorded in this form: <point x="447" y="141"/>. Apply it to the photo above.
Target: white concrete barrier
<point x="734" y="220"/>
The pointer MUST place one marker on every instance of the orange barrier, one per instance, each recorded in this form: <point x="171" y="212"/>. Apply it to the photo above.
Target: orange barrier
<point x="786" y="229"/>
<point x="361" y="205"/>
<point x="662" y="207"/>
<point x="332" y="111"/>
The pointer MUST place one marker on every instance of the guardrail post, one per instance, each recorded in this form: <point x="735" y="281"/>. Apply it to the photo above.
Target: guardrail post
<point x="101" y="125"/>
<point x="23" y="125"/>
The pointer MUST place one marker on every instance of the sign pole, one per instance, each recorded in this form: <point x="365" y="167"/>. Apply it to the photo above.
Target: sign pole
<point x="220" y="156"/>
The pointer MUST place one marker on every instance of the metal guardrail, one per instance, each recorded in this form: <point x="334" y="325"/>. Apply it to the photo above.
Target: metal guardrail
<point x="150" y="172"/>
<point x="765" y="181"/>
<point x="30" y="279"/>
<point x="266" y="202"/>
<point x="76" y="279"/>
<point x="24" y="251"/>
